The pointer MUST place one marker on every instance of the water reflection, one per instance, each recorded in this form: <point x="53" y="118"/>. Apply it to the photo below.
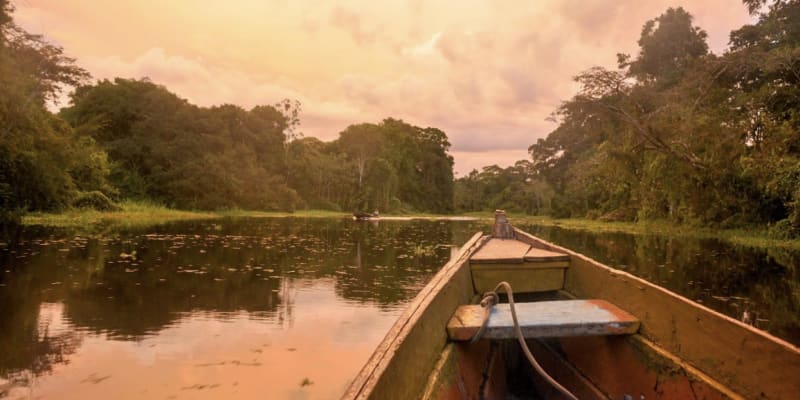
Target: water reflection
<point x="210" y="309"/>
<point x="758" y="287"/>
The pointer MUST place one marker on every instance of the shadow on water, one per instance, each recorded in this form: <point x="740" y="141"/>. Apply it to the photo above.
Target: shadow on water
<point x="756" y="286"/>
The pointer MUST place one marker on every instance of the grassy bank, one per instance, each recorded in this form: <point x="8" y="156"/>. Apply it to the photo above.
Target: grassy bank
<point x="135" y="213"/>
<point x="278" y="214"/>
<point x="132" y="214"/>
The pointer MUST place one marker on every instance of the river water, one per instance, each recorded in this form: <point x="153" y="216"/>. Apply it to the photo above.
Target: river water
<point x="285" y="308"/>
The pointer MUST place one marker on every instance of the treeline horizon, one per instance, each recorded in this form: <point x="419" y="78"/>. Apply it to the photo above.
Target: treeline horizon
<point x="134" y="139"/>
<point x="163" y="148"/>
<point x="674" y="133"/>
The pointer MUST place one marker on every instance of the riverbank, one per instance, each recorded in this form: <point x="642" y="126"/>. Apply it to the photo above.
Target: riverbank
<point x="131" y="214"/>
<point x="144" y="214"/>
<point x="134" y="213"/>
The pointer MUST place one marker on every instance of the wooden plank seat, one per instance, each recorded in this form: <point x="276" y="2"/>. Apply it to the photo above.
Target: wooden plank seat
<point x="542" y="319"/>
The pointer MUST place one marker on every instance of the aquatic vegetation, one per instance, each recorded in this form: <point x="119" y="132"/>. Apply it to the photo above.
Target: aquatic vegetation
<point x="132" y="214"/>
<point x="422" y="250"/>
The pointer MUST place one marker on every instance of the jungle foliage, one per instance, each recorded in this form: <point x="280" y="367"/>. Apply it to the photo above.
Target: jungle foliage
<point x="675" y="133"/>
<point x="44" y="163"/>
<point x="166" y="149"/>
<point x="132" y="139"/>
<point x="391" y="166"/>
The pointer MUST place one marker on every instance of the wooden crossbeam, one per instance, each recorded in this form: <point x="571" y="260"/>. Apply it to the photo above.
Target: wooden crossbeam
<point x="541" y="255"/>
<point x="501" y="251"/>
<point x="561" y="318"/>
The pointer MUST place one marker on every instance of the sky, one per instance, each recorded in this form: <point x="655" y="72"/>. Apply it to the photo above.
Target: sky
<point x="488" y="73"/>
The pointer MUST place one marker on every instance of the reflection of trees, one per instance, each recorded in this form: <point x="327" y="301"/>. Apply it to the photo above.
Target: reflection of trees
<point x="384" y="263"/>
<point x="392" y="261"/>
<point x="221" y="267"/>
<point x="731" y="279"/>
<point x="170" y="276"/>
<point x="26" y="342"/>
<point x="785" y="314"/>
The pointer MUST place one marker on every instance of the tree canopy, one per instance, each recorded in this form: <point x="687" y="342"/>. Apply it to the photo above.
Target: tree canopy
<point x="391" y="166"/>
<point x="133" y="139"/>
<point x="44" y="163"/>
<point x="684" y="135"/>
<point x="165" y="149"/>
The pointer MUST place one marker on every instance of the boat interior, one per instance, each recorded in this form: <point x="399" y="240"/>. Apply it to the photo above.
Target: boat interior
<point x="593" y="333"/>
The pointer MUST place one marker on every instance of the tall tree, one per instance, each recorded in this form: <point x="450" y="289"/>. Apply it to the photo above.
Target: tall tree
<point x="44" y="165"/>
<point x="396" y="166"/>
<point x="693" y="137"/>
<point x="667" y="46"/>
<point x="166" y="149"/>
<point x="362" y="143"/>
<point x="763" y="82"/>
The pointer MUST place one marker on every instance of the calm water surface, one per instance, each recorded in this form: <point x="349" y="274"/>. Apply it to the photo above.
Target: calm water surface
<point x="248" y="308"/>
<point x="285" y="308"/>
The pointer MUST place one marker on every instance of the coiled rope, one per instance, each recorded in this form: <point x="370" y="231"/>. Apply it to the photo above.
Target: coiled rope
<point x="492" y="298"/>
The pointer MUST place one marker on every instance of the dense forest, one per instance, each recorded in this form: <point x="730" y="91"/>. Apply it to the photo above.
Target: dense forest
<point x="44" y="164"/>
<point x="133" y="139"/>
<point x="675" y="133"/>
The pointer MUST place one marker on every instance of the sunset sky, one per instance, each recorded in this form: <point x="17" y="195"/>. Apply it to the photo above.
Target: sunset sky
<point x="488" y="73"/>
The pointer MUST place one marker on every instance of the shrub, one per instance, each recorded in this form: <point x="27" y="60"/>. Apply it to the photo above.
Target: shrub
<point x="95" y="200"/>
<point x="784" y="229"/>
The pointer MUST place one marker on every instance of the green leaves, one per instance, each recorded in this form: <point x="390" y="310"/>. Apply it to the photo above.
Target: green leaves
<point x="391" y="166"/>
<point x="44" y="165"/>
<point x="667" y="46"/>
<point x="683" y="135"/>
<point x="166" y="149"/>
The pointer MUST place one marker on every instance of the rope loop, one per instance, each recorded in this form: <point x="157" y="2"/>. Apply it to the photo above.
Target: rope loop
<point x="487" y="302"/>
<point x="490" y="299"/>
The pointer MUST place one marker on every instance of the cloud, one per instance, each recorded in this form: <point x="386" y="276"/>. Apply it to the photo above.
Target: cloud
<point x="487" y="73"/>
<point x="423" y="49"/>
<point x="476" y="160"/>
<point x="350" y="22"/>
<point x="207" y="85"/>
<point x="192" y="78"/>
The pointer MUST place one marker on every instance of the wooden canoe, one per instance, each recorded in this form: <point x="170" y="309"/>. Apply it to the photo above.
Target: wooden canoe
<point x="362" y="216"/>
<point x="671" y="347"/>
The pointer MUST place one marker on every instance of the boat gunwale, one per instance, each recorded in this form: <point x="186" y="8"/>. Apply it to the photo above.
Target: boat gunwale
<point x="369" y="375"/>
<point x="668" y="305"/>
<point x="730" y="375"/>
<point x="676" y="296"/>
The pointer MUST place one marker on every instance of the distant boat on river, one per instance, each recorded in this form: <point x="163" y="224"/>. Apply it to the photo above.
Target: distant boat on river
<point x="593" y="331"/>
<point x="363" y="216"/>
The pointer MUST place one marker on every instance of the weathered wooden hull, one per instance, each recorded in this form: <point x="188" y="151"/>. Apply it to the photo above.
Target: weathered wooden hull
<point x="683" y="350"/>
